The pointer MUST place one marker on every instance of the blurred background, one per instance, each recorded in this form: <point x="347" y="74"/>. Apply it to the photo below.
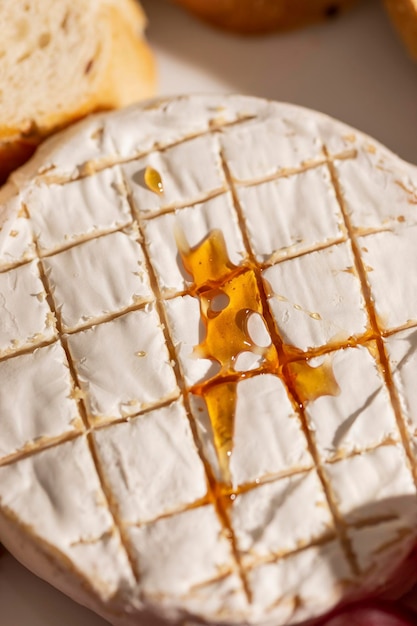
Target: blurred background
<point x="354" y="68"/>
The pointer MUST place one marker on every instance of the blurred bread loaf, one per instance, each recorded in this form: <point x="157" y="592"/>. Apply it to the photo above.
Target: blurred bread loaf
<point x="257" y="16"/>
<point x="404" y="16"/>
<point x="62" y="60"/>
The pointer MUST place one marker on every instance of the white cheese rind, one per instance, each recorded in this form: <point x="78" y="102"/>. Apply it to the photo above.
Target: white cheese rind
<point x="263" y="407"/>
<point x="271" y="211"/>
<point x="395" y="306"/>
<point x="142" y="466"/>
<point x="280" y="517"/>
<point x="26" y="318"/>
<point x="57" y="496"/>
<point x="313" y="578"/>
<point x="376" y="191"/>
<point x="87" y="282"/>
<point x="186" y="330"/>
<point x="267" y="438"/>
<point x="62" y="215"/>
<point x="16" y="236"/>
<point x="324" y="508"/>
<point x="386" y="544"/>
<point x="192" y="547"/>
<point x="402" y="353"/>
<point x="183" y="177"/>
<point x="309" y="312"/>
<point x="112" y="361"/>
<point x="345" y="423"/>
<point x="37" y="396"/>
<point x="389" y="488"/>
<point x="286" y="143"/>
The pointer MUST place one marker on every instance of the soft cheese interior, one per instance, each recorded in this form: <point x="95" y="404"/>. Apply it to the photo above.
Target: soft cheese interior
<point x="157" y="469"/>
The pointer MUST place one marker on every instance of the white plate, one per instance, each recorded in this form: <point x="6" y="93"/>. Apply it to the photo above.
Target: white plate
<point x="353" y="68"/>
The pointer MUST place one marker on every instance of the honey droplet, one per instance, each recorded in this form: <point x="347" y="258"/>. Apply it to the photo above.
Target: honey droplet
<point x="153" y="180"/>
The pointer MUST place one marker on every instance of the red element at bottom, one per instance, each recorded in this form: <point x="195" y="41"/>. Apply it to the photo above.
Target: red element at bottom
<point x="373" y="614"/>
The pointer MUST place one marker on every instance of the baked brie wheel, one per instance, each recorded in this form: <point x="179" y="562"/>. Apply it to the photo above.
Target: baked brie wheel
<point x="208" y="353"/>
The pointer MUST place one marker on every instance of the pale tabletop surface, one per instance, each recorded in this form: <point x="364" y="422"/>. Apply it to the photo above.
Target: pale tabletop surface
<point x="353" y="68"/>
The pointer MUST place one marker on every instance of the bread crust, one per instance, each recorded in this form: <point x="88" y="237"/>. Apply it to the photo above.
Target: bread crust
<point x="13" y="154"/>
<point x="261" y="16"/>
<point x="128" y="75"/>
<point x="403" y="14"/>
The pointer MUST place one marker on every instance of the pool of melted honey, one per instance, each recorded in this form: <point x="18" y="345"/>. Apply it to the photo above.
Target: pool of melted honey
<point x="228" y="296"/>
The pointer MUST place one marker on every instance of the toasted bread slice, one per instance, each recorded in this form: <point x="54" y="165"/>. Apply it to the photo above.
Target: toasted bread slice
<point x="62" y="60"/>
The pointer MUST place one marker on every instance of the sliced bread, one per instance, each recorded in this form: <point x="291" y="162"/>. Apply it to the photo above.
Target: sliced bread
<point x="63" y="60"/>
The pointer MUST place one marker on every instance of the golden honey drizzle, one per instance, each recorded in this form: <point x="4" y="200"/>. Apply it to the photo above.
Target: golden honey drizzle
<point x="153" y="180"/>
<point x="310" y="382"/>
<point x="228" y="296"/>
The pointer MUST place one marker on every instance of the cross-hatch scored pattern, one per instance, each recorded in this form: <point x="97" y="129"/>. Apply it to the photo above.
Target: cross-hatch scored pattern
<point x="155" y="309"/>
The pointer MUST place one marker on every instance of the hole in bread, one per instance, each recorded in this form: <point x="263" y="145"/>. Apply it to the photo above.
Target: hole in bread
<point x="89" y="66"/>
<point x="44" y="40"/>
<point x="332" y="10"/>
<point x="64" y="23"/>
